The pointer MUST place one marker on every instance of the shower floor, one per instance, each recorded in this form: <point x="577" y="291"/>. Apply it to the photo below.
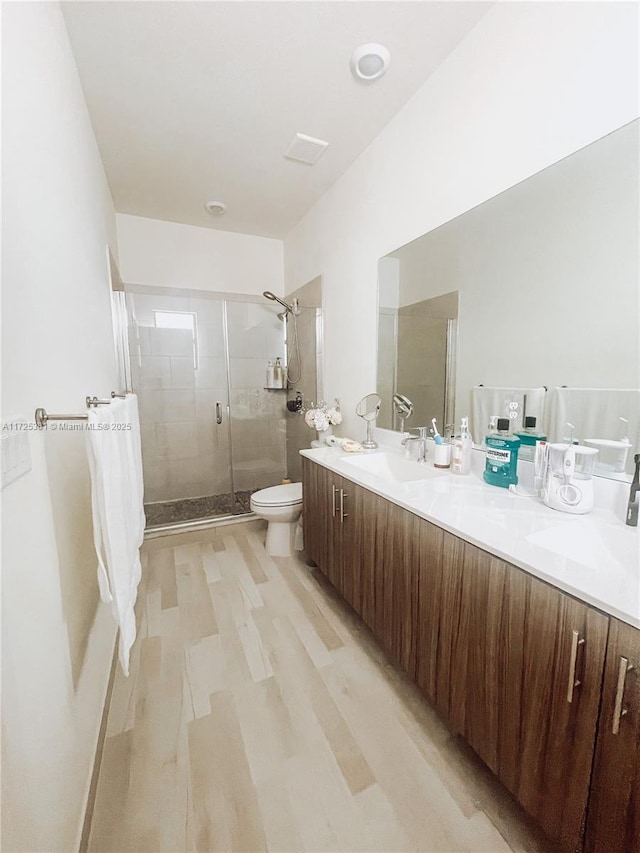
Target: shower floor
<point x="192" y="509"/>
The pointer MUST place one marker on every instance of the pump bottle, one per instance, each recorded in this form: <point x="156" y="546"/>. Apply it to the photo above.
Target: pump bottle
<point x="461" y="450"/>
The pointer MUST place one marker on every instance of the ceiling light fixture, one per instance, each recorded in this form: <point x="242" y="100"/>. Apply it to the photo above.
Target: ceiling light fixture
<point x="215" y="208"/>
<point x="369" y="62"/>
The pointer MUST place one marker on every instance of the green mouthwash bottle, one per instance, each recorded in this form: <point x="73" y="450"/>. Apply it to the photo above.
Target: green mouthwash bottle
<point x="501" y="467"/>
<point x="528" y="438"/>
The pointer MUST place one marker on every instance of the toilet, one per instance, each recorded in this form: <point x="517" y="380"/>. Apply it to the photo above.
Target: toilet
<point x="280" y="506"/>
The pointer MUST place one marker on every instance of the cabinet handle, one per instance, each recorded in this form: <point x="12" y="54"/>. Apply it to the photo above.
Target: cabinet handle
<point x="343" y="514"/>
<point x="218" y="413"/>
<point x="334" y="489"/>
<point x="573" y="681"/>
<point x="618" y="711"/>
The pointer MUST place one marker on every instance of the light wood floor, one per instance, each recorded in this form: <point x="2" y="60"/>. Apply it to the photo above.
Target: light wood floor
<point x="261" y="715"/>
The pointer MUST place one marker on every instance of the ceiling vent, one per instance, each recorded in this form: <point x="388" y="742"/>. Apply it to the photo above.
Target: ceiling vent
<point x="305" y="149"/>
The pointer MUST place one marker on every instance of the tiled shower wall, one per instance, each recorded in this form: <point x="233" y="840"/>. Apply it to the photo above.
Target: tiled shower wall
<point x="299" y="435"/>
<point x="185" y="452"/>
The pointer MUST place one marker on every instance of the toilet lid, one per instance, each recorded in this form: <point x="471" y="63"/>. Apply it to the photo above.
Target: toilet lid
<point x="286" y="495"/>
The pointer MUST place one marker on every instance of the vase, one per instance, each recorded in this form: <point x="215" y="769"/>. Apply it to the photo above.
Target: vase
<point x="324" y="434"/>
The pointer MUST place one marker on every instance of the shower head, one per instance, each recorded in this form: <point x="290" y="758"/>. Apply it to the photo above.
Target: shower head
<point x="268" y="295"/>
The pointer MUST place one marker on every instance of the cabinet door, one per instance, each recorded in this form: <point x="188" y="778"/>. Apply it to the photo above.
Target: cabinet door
<point x="358" y="550"/>
<point x="613" y="822"/>
<point x="311" y="510"/>
<point x="338" y="496"/>
<point x="396" y="582"/>
<point x="451" y="659"/>
<point x="431" y="614"/>
<point x="564" y="651"/>
<point x="488" y="660"/>
<point x="525" y="676"/>
<point x="317" y="518"/>
<point x="441" y="645"/>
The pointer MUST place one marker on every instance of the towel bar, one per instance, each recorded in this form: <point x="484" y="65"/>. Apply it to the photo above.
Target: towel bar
<point x="42" y="417"/>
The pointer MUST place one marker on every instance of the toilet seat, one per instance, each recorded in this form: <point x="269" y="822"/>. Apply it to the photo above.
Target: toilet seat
<point x="288" y="495"/>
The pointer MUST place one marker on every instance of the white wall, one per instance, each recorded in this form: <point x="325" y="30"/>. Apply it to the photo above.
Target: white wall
<point x="531" y="83"/>
<point x="167" y="254"/>
<point x="57" y="347"/>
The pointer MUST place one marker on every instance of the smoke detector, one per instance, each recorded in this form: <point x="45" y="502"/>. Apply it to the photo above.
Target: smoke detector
<point x="215" y="208"/>
<point x="369" y="62"/>
<point x="306" y="149"/>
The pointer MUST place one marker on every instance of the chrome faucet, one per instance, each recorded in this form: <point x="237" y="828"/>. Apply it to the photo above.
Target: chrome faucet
<point x="421" y="440"/>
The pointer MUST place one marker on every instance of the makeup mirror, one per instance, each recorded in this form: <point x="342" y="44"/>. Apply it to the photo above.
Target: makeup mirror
<point x="402" y="409"/>
<point x="368" y="409"/>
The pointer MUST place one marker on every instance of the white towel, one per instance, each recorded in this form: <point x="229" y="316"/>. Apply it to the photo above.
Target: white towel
<point x="595" y="413"/>
<point x="115" y="461"/>
<point x="486" y="401"/>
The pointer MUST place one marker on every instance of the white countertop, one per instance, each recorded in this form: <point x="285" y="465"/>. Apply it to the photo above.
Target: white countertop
<point x="594" y="557"/>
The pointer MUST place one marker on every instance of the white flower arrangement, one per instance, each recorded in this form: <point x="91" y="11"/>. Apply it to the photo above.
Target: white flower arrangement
<point x="320" y="416"/>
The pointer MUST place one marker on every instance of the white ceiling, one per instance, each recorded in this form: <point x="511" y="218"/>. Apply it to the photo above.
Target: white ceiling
<point x="193" y="101"/>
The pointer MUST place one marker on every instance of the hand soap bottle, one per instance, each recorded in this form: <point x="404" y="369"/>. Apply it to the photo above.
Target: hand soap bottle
<point x="461" y="450"/>
<point x="529" y="437"/>
<point x="501" y="467"/>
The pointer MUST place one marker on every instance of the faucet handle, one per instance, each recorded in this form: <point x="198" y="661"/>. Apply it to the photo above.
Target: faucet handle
<point x="414" y="434"/>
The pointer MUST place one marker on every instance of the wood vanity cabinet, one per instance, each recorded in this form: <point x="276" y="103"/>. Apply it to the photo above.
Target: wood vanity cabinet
<point x="367" y="548"/>
<point x="544" y="688"/>
<point x="613" y="822"/>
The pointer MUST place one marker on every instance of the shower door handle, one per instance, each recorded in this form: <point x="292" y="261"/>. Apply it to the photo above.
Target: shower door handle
<point x="218" y="413"/>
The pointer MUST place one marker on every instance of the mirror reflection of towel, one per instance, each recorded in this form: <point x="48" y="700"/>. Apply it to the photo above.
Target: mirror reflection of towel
<point x="595" y="413"/>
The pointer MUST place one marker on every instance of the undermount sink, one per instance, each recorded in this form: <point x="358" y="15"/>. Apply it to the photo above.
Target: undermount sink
<point x="392" y="467"/>
<point x="574" y="541"/>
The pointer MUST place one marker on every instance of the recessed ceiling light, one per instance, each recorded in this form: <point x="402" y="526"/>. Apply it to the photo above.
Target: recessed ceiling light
<point x="215" y="208"/>
<point x="369" y="62"/>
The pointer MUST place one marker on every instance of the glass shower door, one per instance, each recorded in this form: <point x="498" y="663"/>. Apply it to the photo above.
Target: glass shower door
<point x="255" y="335"/>
<point x="179" y="371"/>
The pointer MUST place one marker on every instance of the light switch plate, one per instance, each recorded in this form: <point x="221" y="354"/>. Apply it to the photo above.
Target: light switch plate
<point x="15" y="452"/>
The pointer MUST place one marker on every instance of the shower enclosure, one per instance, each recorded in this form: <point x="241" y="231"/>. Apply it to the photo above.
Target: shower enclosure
<point x="211" y="432"/>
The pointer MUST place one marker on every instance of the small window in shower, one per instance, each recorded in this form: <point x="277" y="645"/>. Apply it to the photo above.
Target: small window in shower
<point x="179" y="320"/>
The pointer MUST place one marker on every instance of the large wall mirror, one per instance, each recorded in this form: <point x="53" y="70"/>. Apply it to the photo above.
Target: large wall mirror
<point x="533" y="297"/>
